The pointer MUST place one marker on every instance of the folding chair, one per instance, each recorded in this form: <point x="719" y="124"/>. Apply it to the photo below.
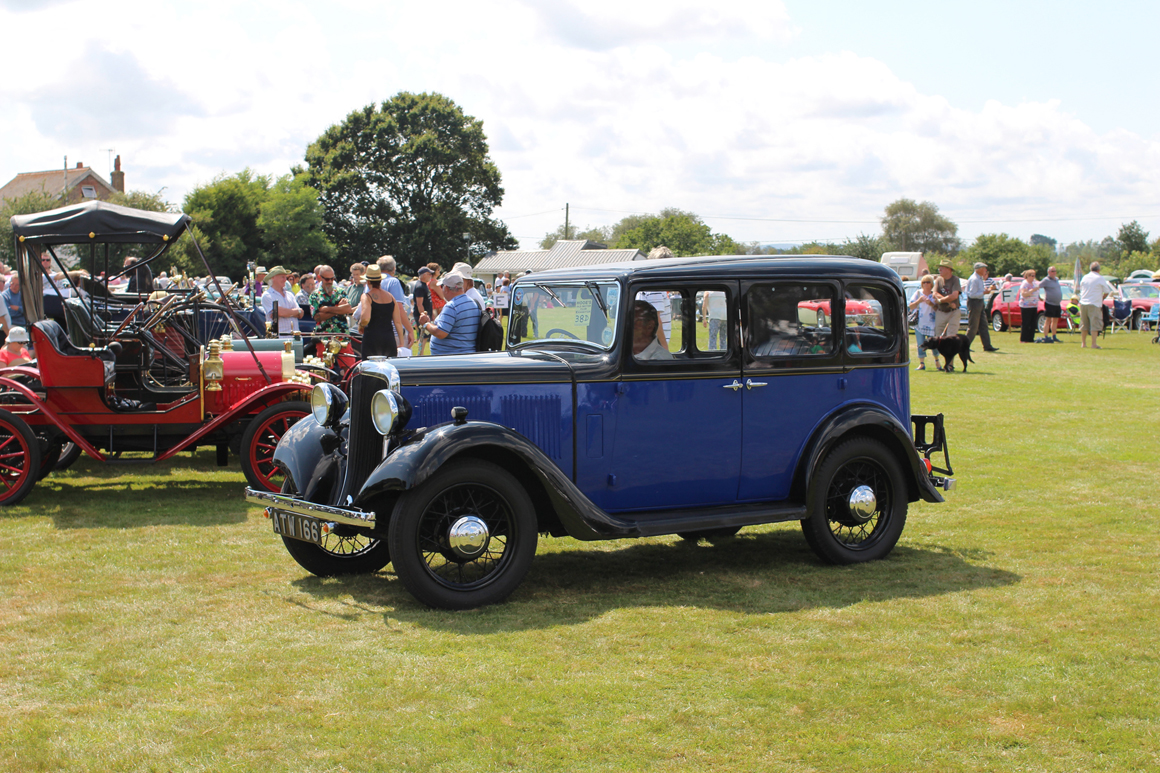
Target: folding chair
<point x="1121" y="316"/>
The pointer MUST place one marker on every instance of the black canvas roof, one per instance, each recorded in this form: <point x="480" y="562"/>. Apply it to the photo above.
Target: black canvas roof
<point x="99" y="222"/>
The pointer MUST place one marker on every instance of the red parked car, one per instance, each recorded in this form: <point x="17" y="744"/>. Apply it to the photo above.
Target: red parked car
<point x="140" y="385"/>
<point x="1005" y="311"/>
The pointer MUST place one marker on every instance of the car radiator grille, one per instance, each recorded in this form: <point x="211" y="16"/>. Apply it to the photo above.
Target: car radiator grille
<point x="365" y="444"/>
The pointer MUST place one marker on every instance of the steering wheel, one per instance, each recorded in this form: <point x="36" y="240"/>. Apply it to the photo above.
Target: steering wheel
<point x="562" y="334"/>
<point x="125" y="321"/>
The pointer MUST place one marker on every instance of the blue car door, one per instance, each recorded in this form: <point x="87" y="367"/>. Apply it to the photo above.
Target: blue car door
<point x="678" y="406"/>
<point x="792" y="376"/>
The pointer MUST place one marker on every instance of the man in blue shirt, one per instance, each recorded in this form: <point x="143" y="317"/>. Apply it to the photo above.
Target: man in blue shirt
<point x="458" y="323"/>
<point x="14" y="301"/>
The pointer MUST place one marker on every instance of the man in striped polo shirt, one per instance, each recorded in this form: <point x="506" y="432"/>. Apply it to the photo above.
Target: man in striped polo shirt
<point x="458" y="323"/>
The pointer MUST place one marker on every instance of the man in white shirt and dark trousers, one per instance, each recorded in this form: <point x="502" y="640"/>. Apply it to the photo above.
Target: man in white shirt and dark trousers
<point x="976" y="291"/>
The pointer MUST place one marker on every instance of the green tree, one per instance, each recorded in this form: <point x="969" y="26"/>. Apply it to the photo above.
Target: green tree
<point x="409" y="177"/>
<point x="1132" y="238"/>
<point x="1037" y="239"/>
<point x="226" y="213"/>
<point x="865" y="247"/>
<point x="914" y="227"/>
<point x="682" y="232"/>
<point x="291" y="221"/>
<point x="33" y="201"/>
<point x="1005" y="254"/>
<point x="150" y="202"/>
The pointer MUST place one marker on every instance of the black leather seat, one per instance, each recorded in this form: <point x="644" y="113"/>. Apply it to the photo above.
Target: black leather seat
<point x="60" y="341"/>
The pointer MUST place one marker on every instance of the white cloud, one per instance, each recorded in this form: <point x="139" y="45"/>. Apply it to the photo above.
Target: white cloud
<point x="623" y="107"/>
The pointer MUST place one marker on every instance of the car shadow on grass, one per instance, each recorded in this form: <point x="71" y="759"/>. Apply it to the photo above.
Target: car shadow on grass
<point x="762" y="573"/>
<point x="130" y="503"/>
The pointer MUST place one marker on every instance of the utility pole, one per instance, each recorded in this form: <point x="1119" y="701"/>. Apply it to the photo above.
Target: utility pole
<point x="566" y="236"/>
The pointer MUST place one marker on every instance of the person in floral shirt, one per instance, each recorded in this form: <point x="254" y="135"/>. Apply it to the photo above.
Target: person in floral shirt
<point x="329" y="304"/>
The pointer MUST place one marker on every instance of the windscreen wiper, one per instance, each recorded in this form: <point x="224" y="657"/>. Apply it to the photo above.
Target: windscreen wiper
<point x="595" y="290"/>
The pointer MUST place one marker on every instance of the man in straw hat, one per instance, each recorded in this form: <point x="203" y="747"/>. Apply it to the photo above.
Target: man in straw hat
<point x="946" y="295"/>
<point x="277" y="292"/>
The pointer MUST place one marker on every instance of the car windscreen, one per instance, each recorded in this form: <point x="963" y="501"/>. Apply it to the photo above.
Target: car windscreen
<point x="564" y="311"/>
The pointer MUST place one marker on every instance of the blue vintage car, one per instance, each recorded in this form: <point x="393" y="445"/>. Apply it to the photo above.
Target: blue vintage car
<point x="685" y="396"/>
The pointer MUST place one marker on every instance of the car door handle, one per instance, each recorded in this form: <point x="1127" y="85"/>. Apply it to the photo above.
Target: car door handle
<point x="734" y="386"/>
<point x="751" y="384"/>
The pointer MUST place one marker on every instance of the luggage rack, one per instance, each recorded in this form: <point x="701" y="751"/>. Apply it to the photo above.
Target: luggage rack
<point x="940" y="476"/>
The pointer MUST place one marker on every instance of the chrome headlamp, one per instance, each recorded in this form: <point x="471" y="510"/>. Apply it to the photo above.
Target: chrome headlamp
<point x="390" y="411"/>
<point x="327" y="404"/>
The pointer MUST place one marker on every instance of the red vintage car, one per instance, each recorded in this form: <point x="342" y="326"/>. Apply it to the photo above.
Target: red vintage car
<point x="1005" y="311"/>
<point x="144" y="384"/>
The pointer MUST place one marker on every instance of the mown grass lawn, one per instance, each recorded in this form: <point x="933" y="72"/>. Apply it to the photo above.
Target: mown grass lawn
<point x="150" y="620"/>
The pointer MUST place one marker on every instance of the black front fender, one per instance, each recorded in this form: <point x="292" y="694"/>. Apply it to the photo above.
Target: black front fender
<point x="869" y="420"/>
<point x="302" y="455"/>
<point x="408" y="466"/>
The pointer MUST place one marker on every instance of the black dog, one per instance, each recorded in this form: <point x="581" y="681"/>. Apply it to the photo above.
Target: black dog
<point x="948" y="347"/>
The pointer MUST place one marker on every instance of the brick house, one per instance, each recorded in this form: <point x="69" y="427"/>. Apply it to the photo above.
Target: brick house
<point x="79" y="183"/>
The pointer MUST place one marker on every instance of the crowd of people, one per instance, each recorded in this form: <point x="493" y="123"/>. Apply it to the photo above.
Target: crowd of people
<point x="437" y="309"/>
<point x="935" y="310"/>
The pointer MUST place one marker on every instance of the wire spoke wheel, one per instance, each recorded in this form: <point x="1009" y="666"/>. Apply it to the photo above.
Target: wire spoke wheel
<point x="454" y="568"/>
<point x="19" y="459"/>
<point x="853" y="531"/>
<point x="261" y="439"/>
<point x="343" y="551"/>
<point x="465" y="537"/>
<point x="859" y="502"/>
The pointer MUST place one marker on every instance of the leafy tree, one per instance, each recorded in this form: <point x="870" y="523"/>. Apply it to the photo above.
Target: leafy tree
<point x="864" y="246"/>
<point x="226" y="213"/>
<point x="1132" y="238"/>
<point x="33" y="201"/>
<point x="291" y="221"/>
<point x="914" y="227"/>
<point x="1005" y="254"/>
<point x="408" y="177"/>
<point x="682" y="232"/>
<point x="1037" y="239"/>
<point x="150" y="202"/>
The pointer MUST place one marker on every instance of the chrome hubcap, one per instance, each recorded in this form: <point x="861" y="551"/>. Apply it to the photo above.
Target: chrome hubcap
<point x="862" y="503"/>
<point x="468" y="536"/>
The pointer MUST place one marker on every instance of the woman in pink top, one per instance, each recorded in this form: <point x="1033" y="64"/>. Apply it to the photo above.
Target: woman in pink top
<point x="1028" y="307"/>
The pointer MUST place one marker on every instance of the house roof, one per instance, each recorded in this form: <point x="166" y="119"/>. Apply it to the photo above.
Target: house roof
<point x="51" y="182"/>
<point x="563" y="254"/>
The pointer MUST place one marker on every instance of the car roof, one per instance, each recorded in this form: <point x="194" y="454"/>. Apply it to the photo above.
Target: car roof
<point x="99" y="222"/>
<point x="724" y="267"/>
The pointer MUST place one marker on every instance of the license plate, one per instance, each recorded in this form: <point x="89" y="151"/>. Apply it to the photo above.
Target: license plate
<point x="297" y="527"/>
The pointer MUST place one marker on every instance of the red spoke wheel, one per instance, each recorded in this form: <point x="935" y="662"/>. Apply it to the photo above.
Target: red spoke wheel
<point x="261" y="438"/>
<point x="19" y="459"/>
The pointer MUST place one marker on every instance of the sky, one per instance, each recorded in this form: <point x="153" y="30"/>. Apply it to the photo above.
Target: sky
<point x="776" y="122"/>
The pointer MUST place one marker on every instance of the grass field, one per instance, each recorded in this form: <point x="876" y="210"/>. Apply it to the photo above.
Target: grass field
<point x="150" y="620"/>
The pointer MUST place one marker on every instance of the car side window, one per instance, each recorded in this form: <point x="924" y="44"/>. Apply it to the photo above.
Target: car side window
<point x="680" y="323"/>
<point x="789" y="320"/>
<point x="871" y="320"/>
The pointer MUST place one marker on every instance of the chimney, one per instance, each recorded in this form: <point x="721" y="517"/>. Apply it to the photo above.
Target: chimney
<point x="117" y="177"/>
<point x="80" y="165"/>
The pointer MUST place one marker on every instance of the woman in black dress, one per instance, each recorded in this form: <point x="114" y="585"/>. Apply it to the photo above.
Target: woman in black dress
<point x="377" y="310"/>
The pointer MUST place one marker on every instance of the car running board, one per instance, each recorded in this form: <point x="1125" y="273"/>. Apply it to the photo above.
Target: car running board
<point x="658" y="522"/>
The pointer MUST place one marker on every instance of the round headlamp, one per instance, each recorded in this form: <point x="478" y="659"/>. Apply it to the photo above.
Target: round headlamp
<point x="327" y="404"/>
<point x="390" y="411"/>
<point x="384" y="411"/>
